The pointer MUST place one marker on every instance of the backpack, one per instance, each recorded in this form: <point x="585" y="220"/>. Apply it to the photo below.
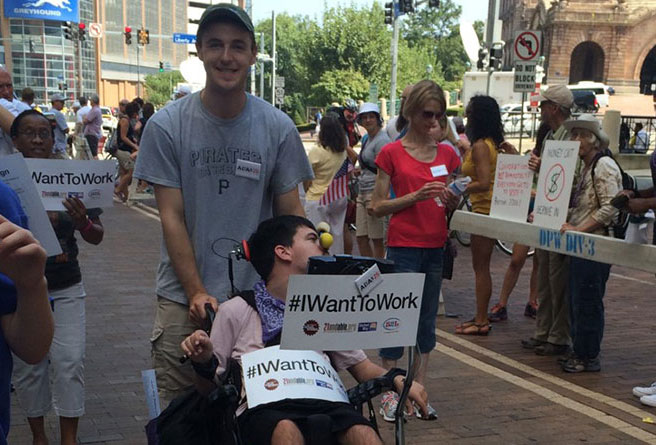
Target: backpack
<point x="111" y="146"/>
<point x="621" y="221"/>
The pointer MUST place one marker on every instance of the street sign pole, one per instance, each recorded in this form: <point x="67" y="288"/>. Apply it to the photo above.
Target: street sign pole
<point x="395" y="57"/>
<point x="521" y="123"/>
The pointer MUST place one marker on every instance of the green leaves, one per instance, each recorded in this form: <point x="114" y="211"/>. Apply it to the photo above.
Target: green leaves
<point x="339" y="56"/>
<point x="158" y="86"/>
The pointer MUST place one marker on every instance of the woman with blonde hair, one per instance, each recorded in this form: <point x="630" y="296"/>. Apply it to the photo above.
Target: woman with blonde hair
<point x="417" y="168"/>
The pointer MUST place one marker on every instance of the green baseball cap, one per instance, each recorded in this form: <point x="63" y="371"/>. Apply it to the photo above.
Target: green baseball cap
<point x="227" y="11"/>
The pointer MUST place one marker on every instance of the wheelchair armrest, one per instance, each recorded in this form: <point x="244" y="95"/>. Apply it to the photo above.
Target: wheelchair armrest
<point x="224" y="394"/>
<point x="366" y="391"/>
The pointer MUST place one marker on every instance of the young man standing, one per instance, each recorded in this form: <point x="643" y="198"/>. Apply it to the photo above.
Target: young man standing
<point x="93" y="125"/>
<point x="221" y="161"/>
<point x="279" y="248"/>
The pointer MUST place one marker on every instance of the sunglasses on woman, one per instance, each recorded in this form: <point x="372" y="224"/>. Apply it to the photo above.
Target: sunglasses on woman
<point x="432" y="115"/>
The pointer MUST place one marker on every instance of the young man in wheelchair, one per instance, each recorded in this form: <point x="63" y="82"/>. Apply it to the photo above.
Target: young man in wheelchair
<point x="279" y="248"/>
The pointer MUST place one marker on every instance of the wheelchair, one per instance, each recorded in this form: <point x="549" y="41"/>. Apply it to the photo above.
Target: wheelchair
<point x="212" y="420"/>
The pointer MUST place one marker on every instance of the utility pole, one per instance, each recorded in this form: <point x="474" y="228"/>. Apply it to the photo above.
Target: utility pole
<point x="489" y="37"/>
<point x="273" y="56"/>
<point x="395" y="57"/>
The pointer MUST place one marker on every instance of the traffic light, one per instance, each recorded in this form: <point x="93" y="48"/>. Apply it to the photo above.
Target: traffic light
<point x="496" y="57"/>
<point x="81" y="31"/>
<point x="144" y="36"/>
<point x="69" y="34"/>
<point x="389" y="13"/>
<point x="128" y="35"/>
<point x="161" y="67"/>
<point x="406" y="6"/>
<point x="482" y="59"/>
<point x="433" y="3"/>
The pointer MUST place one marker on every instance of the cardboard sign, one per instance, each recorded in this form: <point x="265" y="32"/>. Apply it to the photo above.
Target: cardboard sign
<point x="513" y="181"/>
<point x="272" y="375"/>
<point x="326" y="313"/>
<point x="56" y="180"/>
<point x="557" y="167"/>
<point x="15" y="174"/>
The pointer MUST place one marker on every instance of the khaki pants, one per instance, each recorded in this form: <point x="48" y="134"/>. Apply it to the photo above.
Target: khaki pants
<point x="552" y="321"/>
<point x="171" y="327"/>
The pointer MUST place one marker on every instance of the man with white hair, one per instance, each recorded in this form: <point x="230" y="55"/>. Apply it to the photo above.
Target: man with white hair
<point x="12" y="105"/>
<point x="181" y="91"/>
<point x="93" y="125"/>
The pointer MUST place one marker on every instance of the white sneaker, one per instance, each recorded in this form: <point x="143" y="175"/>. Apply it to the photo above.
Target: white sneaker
<point x="640" y="391"/>
<point x="390" y="402"/>
<point x="648" y="400"/>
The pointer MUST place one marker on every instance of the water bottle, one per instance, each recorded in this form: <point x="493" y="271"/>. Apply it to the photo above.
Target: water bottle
<point x="459" y="186"/>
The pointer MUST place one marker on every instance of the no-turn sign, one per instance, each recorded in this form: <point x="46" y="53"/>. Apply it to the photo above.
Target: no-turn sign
<point x="95" y="30"/>
<point x="527" y="46"/>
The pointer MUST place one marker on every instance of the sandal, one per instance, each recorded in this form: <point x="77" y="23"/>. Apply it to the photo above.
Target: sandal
<point x="531" y="310"/>
<point x="498" y="313"/>
<point x="474" y="329"/>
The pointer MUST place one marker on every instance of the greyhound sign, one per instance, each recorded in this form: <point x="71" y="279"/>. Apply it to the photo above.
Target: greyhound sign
<point x="57" y="10"/>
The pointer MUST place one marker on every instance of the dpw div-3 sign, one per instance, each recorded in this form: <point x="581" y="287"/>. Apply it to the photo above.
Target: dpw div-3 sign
<point x="59" y="10"/>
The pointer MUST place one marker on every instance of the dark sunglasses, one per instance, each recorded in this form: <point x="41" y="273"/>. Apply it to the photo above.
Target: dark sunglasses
<point x="432" y="115"/>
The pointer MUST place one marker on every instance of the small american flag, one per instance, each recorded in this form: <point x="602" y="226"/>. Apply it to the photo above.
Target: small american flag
<point x="338" y="187"/>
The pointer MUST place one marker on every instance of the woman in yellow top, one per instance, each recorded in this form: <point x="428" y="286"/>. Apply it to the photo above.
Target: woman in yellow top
<point x="485" y="131"/>
<point x="325" y="200"/>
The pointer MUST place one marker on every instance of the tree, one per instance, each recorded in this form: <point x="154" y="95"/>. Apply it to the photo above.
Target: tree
<point x="437" y="30"/>
<point x="338" y="85"/>
<point x="158" y="86"/>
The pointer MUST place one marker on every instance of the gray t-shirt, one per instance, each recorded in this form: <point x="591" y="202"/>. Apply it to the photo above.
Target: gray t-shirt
<point x="60" y="135"/>
<point x="214" y="162"/>
<point x="367" y="179"/>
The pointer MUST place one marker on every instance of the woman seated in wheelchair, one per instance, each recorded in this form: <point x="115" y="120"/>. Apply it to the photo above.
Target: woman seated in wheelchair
<point x="281" y="247"/>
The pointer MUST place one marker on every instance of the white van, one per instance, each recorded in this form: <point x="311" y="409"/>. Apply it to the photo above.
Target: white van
<point x="600" y="90"/>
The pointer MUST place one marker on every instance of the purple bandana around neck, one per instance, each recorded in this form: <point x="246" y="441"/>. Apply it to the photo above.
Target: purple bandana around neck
<point x="271" y="310"/>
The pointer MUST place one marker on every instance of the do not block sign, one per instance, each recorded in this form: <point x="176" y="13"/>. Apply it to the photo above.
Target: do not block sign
<point x="524" y="79"/>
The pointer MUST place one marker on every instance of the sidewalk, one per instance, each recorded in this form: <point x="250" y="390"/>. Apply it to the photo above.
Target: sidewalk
<point x="485" y="389"/>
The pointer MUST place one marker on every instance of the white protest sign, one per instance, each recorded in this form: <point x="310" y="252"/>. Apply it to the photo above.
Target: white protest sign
<point x="272" y="374"/>
<point x="524" y="77"/>
<point x="512" y="188"/>
<point x="557" y="166"/>
<point x="15" y="174"/>
<point x="325" y="312"/>
<point x="56" y="180"/>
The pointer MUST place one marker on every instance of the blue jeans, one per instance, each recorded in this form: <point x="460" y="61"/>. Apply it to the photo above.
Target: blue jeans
<point x="429" y="262"/>
<point x="587" y="281"/>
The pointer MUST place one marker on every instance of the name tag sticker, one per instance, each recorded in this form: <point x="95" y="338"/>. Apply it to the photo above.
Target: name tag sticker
<point x="439" y="170"/>
<point x="366" y="282"/>
<point x="248" y="169"/>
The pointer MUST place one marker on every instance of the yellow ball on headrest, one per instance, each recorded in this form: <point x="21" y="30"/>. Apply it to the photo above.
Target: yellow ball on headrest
<point x="326" y="240"/>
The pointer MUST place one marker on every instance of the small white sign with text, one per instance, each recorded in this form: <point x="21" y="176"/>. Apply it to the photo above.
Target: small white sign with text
<point x="557" y="167"/>
<point x="272" y="374"/>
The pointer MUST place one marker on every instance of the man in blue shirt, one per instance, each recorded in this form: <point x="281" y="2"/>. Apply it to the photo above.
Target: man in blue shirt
<point x="26" y="324"/>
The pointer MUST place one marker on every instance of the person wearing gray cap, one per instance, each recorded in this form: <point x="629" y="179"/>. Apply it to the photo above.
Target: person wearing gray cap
<point x="552" y="332"/>
<point x="61" y="127"/>
<point x="590" y="211"/>
<point x="221" y="161"/>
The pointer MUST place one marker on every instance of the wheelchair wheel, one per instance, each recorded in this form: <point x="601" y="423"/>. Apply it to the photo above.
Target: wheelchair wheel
<point x="507" y="248"/>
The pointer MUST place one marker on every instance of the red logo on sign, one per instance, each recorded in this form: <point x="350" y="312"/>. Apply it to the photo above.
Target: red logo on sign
<point x="271" y="384"/>
<point x="311" y="327"/>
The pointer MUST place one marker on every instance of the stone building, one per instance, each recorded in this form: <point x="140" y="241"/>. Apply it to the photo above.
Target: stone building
<point x="610" y="41"/>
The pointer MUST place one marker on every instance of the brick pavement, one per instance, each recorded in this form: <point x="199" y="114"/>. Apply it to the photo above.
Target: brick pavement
<point x="474" y="403"/>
